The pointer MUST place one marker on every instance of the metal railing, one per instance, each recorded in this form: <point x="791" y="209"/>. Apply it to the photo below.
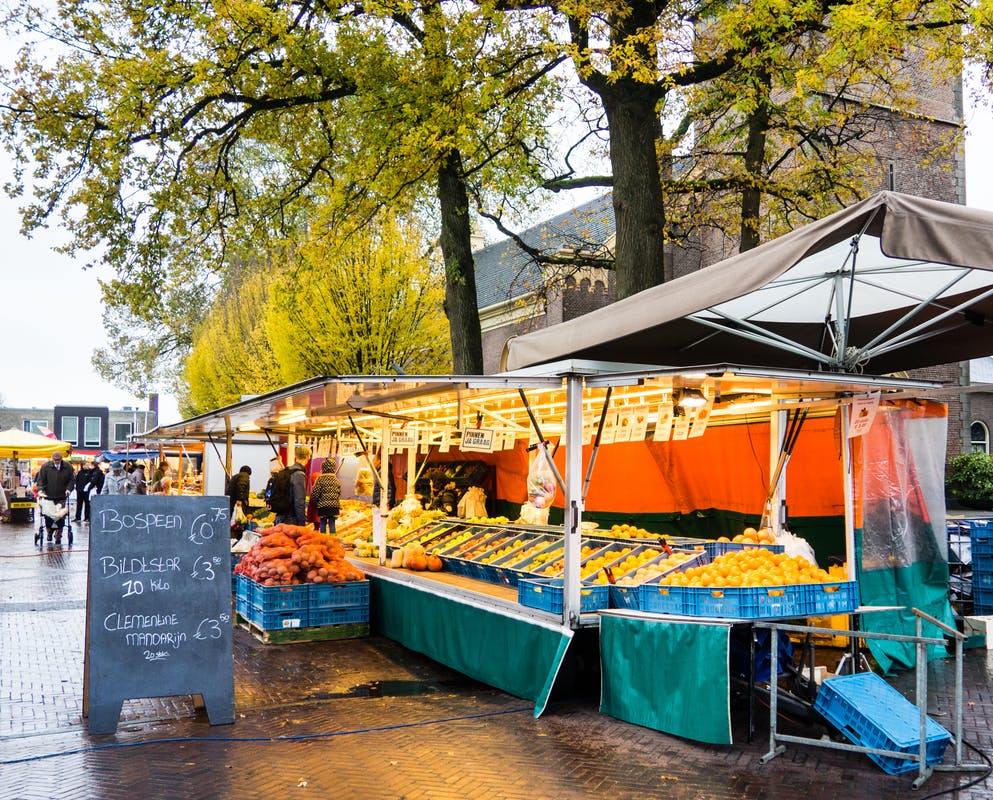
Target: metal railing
<point x="922" y="643"/>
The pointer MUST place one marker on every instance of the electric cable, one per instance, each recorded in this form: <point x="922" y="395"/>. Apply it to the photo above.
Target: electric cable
<point x="294" y="738"/>
<point x="973" y="782"/>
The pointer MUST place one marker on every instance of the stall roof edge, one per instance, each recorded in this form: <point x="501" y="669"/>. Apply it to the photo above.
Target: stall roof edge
<point x="383" y="390"/>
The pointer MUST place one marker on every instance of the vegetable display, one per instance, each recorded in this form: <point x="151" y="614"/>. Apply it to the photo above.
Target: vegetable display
<point x="291" y="554"/>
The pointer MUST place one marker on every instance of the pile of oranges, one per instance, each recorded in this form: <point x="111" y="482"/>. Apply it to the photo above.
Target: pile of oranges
<point x="630" y="532"/>
<point x="751" y="567"/>
<point x="752" y="536"/>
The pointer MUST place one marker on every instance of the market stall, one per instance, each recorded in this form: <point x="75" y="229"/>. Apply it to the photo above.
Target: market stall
<point x="433" y="418"/>
<point x="20" y="447"/>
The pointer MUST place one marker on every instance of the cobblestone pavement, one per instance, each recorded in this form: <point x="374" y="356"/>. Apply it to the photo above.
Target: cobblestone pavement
<point x="366" y="718"/>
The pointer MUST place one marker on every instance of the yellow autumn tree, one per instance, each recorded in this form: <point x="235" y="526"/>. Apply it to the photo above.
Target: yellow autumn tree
<point x="372" y="303"/>
<point x="231" y="355"/>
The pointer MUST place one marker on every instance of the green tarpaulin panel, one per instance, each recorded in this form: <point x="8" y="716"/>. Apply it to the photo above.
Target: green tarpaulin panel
<point x="923" y="585"/>
<point x="668" y="676"/>
<point x="518" y="655"/>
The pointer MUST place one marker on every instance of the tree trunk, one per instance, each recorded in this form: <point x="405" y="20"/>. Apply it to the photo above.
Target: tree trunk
<point x="751" y="197"/>
<point x="639" y="215"/>
<point x="460" y="271"/>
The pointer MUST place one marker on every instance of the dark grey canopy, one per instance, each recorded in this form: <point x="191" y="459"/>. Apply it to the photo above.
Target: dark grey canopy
<point x="892" y="283"/>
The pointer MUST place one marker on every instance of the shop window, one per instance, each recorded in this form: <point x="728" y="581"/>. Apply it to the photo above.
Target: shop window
<point x="980" y="435"/>
<point x="122" y="430"/>
<point x="91" y="431"/>
<point x="70" y="430"/>
<point x="35" y="426"/>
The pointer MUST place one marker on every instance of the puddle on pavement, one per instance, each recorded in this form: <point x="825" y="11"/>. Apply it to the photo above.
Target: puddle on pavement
<point x="384" y="689"/>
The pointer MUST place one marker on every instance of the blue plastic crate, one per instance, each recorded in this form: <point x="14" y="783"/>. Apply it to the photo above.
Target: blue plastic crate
<point x="824" y="599"/>
<point x="982" y="601"/>
<point x="338" y="595"/>
<point x="981" y="594"/>
<point x="235" y="561"/>
<point x="982" y="579"/>
<point x="244" y="588"/>
<point x="321" y="617"/>
<point x="281" y="598"/>
<point x="981" y="548"/>
<point x="510" y="567"/>
<point x="625" y="597"/>
<point x="281" y="620"/>
<point x="871" y="713"/>
<point x="629" y="596"/>
<point x="459" y="566"/>
<point x="547" y="595"/>
<point x="715" y="549"/>
<point x="747" y="602"/>
<point x="242" y="606"/>
<point x="662" y="599"/>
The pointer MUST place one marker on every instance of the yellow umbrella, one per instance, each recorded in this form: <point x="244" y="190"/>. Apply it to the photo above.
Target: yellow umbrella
<point x="15" y="443"/>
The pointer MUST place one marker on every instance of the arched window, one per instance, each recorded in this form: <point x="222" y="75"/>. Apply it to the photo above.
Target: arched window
<point x="980" y="436"/>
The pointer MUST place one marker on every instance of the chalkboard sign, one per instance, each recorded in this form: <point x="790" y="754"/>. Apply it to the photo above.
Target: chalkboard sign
<point x="158" y="604"/>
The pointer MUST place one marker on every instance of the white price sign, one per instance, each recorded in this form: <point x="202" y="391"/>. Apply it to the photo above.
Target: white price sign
<point x="479" y="440"/>
<point x="403" y="438"/>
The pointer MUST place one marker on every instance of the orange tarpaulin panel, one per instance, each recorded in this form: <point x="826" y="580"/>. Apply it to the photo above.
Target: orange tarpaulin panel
<point x="726" y="468"/>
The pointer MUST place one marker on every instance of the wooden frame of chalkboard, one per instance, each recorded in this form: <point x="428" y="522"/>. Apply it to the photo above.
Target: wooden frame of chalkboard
<point x="158" y="605"/>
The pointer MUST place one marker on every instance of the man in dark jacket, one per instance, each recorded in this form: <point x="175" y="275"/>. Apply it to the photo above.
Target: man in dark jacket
<point x="238" y="488"/>
<point x="84" y="483"/>
<point x="55" y="480"/>
<point x="298" y="487"/>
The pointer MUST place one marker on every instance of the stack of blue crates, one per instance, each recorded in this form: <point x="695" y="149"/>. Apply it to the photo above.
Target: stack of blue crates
<point x="981" y="539"/>
<point x="305" y="605"/>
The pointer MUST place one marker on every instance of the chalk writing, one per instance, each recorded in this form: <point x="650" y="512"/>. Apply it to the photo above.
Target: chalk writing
<point x="158" y="655"/>
<point x="159" y="604"/>
<point x="113" y="521"/>
<point x="113" y="565"/>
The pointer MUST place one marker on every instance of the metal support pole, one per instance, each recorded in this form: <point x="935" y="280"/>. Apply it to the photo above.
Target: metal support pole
<point x="573" y="499"/>
<point x="849" y="493"/>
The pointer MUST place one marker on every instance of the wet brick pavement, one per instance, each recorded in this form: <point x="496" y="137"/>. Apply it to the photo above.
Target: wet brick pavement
<point x="367" y="718"/>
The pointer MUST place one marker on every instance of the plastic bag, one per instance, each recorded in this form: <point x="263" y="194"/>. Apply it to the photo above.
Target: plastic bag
<point x="533" y="516"/>
<point x="51" y="509"/>
<point x="796" y="546"/>
<point x="238" y="516"/>
<point x="541" y="482"/>
<point x="473" y="503"/>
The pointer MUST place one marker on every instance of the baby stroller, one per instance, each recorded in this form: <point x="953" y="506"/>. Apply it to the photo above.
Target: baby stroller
<point x="50" y="513"/>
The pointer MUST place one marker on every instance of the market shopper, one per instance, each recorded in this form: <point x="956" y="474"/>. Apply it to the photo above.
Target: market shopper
<point x="391" y="487"/>
<point x="84" y="481"/>
<point x="295" y="513"/>
<point x="162" y="486"/>
<point x="275" y="465"/>
<point x="161" y="471"/>
<point x="138" y="483"/>
<point x="117" y="482"/>
<point x="55" y="480"/>
<point x="326" y="495"/>
<point x="239" y="488"/>
<point x="97" y="478"/>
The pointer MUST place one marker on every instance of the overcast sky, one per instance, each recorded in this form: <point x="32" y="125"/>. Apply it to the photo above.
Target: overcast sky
<point x="51" y="315"/>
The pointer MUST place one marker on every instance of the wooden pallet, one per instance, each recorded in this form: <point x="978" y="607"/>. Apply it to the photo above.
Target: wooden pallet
<point x="323" y="633"/>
